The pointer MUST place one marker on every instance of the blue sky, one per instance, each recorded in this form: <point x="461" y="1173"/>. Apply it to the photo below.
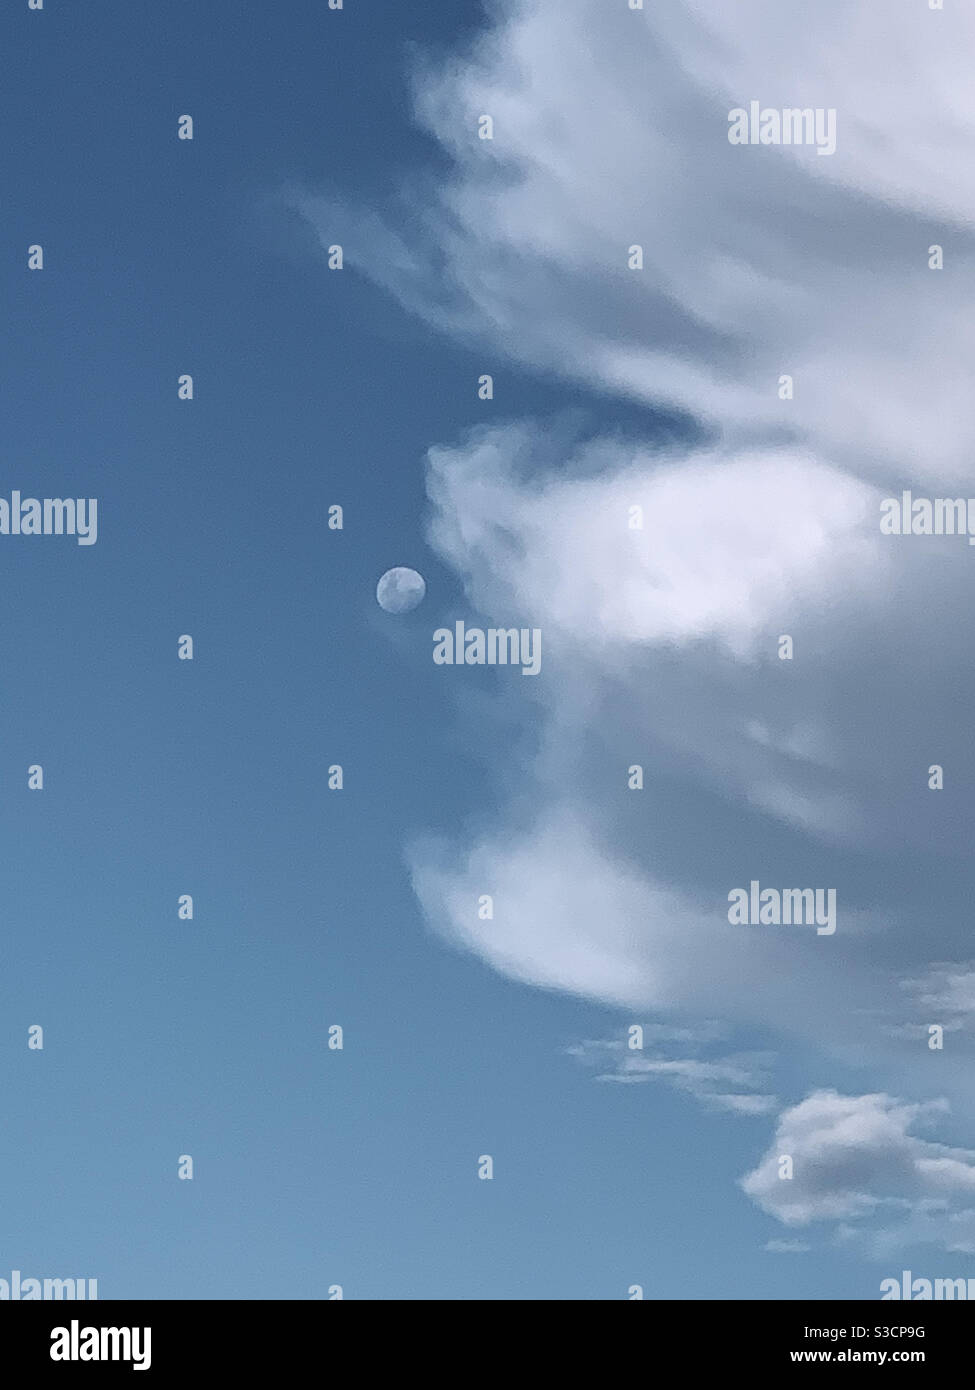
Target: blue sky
<point x="312" y="907"/>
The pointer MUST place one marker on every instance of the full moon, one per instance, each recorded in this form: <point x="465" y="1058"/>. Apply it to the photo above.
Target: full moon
<point x="400" y="589"/>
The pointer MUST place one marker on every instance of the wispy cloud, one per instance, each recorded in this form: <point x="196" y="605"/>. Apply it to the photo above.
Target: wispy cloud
<point x="735" y="1083"/>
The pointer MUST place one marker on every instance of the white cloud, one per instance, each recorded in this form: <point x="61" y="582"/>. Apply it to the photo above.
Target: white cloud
<point x="611" y="129"/>
<point x="947" y="992"/>
<point x="570" y="931"/>
<point x="678" y="624"/>
<point x="735" y="1083"/>
<point x="572" y="914"/>
<point x="660" y="645"/>
<point x="728" y="546"/>
<point x="855" y="1155"/>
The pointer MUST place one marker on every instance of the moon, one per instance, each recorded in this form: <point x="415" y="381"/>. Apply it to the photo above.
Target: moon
<point x="400" y="589"/>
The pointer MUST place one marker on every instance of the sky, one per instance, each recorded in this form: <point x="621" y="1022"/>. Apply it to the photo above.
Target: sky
<point x="621" y="393"/>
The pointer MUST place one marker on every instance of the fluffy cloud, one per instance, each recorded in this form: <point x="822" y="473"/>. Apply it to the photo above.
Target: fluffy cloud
<point x="675" y="626"/>
<point x="853" y="1155"/>
<point x="726" y="545"/>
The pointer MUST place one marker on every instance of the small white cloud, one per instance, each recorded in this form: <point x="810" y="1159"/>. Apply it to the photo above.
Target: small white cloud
<point x="707" y="1079"/>
<point x="947" y="992"/>
<point x="856" y="1157"/>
